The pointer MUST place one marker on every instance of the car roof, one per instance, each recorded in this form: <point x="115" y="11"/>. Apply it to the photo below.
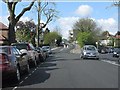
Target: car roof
<point x="20" y="43"/>
<point x="6" y="46"/>
<point x="89" y="46"/>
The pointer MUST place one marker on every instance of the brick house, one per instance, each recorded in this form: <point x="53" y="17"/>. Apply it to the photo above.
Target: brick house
<point x="3" y="34"/>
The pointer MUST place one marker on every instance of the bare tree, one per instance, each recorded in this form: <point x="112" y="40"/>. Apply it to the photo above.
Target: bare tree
<point x="13" y="19"/>
<point x="48" y="12"/>
<point x="117" y="3"/>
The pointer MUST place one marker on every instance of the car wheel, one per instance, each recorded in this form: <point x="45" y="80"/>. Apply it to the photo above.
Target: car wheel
<point x="97" y="58"/>
<point x="35" y="63"/>
<point x="17" y="75"/>
<point x="27" y="68"/>
<point x="42" y="59"/>
<point x="82" y="58"/>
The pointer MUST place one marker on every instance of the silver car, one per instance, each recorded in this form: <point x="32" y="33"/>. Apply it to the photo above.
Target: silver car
<point x="28" y="48"/>
<point x="89" y="51"/>
<point x="47" y="49"/>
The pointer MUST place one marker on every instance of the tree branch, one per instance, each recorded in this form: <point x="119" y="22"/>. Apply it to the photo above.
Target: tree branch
<point x="14" y="4"/>
<point x="24" y="10"/>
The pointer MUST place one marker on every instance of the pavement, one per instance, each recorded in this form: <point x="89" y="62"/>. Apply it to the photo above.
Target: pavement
<point x="76" y="49"/>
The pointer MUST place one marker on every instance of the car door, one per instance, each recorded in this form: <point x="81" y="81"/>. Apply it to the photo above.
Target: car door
<point x="21" y="59"/>
<point x="35" y="53"/>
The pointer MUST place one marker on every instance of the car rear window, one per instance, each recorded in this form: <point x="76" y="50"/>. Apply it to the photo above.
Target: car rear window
<point x="5" y="49"/>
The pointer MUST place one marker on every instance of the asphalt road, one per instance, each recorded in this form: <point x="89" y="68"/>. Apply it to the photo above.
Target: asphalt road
<point x="109" y="56"/>
<point x="66" y="70"/>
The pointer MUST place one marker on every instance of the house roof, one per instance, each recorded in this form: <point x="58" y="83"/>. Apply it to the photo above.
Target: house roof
<point x="3" y="27"/>
<point x="117" y="35"/>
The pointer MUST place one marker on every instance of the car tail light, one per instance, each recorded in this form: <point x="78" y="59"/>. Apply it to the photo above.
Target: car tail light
<point x="4" y="62"/>
<point x="9" y="50"/>
<point x="29" y="47"/>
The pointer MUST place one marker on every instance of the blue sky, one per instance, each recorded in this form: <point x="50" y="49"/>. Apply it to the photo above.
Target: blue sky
<point x="69" y="12"/>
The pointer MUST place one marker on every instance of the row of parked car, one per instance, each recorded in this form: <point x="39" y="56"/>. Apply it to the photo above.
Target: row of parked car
<point x="115" y="51"/>
<point x="90" y="51"/>
<point x="20" y="58"/>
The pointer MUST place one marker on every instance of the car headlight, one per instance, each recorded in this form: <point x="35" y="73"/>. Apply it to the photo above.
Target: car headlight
<point x="114" y="53"/>
<point x="84" y="53"/>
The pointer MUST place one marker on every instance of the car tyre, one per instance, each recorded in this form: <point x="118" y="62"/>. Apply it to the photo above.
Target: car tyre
<point x="35" y="63"/>
<point x="17" y="75"/>
<point x="27" y="68"/>
<point x="97" y="58"/>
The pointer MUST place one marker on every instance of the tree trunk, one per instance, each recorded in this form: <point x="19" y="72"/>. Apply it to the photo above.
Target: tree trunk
<point x="11" y="34"/>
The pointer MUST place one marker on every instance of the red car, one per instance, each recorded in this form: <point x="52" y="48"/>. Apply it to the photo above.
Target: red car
<point x="12" y="63"/>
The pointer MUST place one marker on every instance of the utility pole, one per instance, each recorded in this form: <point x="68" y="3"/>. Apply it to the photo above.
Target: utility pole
<point x="39" y="18"/>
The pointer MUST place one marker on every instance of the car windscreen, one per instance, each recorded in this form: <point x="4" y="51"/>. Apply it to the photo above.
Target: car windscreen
<point x="90" y="48"/>
<point x="21" y="46"/>
<point x="46" y="47"/>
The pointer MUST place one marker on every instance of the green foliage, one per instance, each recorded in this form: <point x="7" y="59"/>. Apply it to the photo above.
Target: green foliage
<point x="85" y="38"/>
<point x="86" y="31"/>
<point x="50" y="38"/>
<point x="24" y="35"/>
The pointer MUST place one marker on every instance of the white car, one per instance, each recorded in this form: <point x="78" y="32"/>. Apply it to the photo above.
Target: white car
<point x="89" y="51"/>
<point x="30" y="50"/>
<point x="47" y="49"/>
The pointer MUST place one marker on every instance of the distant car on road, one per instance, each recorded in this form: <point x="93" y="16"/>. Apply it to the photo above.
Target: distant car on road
<point x="42" y="54"/>
<point x="89" y="51"/>
<point x="47" y="49"/>
<point x="116" y="52"/>
<point x="103" y="50"/>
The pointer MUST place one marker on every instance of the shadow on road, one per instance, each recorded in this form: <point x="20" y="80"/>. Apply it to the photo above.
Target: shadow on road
<point x="39" y="76"/>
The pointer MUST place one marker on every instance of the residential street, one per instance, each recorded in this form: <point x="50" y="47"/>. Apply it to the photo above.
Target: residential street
<point x="59" y="44"/>
<point x="66" y="70"/>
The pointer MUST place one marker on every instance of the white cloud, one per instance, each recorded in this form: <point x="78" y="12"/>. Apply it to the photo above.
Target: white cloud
<point x="109" y="24"/>
<point x="84" y="10"/>
<point x="66" y="24"/>
<point x="24" y="19"/>
<point x="4" y="20"/>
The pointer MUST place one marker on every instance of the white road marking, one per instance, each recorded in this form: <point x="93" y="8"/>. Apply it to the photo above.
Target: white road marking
<point x="29" y="74"/>
<point x="15" y="88"/>
<point x="26" y="78"/>
<point x="33" y="71"/>
<point x="62" y="49"/>
<point x="21" y="82"/>
<point x="111" y="62"/>
<point x="55" y="48"/>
